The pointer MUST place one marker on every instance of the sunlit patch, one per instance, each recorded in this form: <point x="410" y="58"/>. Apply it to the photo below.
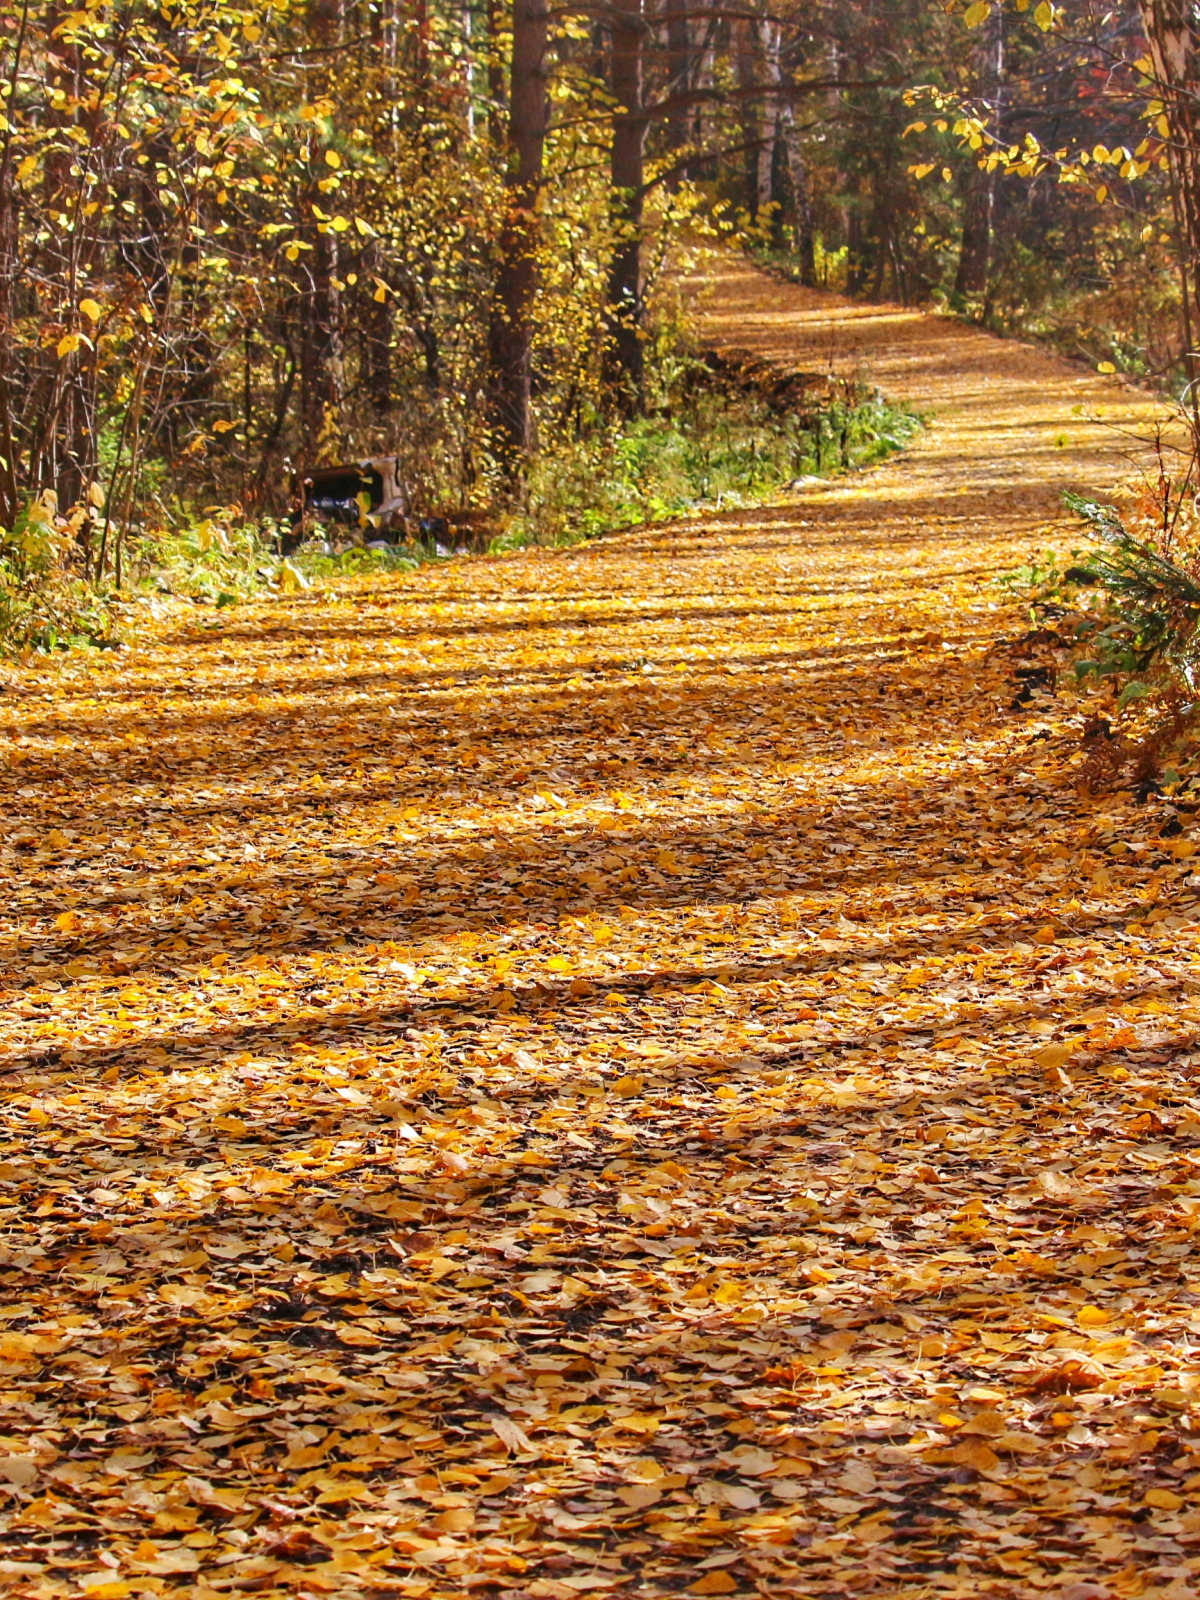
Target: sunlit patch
<point x="608" y="1067"/>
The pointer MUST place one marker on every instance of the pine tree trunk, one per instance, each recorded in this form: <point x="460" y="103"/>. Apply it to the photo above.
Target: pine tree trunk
<point x="744" y="43"/>
<point x="9" y="267"/>
<point x="510" y="333"/>
<point x="624" y="352"/>
<point x="319" y="308"/>
<point x="679" y="76"/>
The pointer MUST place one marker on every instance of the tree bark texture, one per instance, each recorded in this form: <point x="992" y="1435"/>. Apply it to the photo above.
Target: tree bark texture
<point x="979" y="201"/>
<point x="679" y="77"/>
<point x="625" y="354"/>
<point x="1173" y="35"/>
<point x="510" y="333"/>
<point x="765" y="189"/>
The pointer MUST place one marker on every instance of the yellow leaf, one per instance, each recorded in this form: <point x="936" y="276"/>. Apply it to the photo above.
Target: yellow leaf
<point x="332" y="159"/>
<point x="1044" y="16"/>
<point x="68" y="344"/>
<point x="1164" y="1499"/>
<point x="1054" y="1055"/>
<point x="977" y="13"/>
<point x="729" y="1294"/>
<point x="339" y="224"/>
<point x="458" y="1519"/>
<point x="975" y="1454"/>
<point x="718" y="1582"/>
<point x="1106" y="366"/>
<point x="637" y="1495"/>
<point x="1093" y="1317"/>
<point x="510" y="1433"/>
<point x="90" y="309"/>
<point x="291" y="581"/>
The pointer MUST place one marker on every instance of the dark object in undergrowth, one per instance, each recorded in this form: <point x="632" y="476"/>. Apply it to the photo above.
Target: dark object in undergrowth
<point x="1037" y="677"/>
<point x="1032" y="679"/>
<point x="363" y="495"/>
<point x="1096" y="731"/>
<point x="740" y="372"/>
<point x="433" y="530"/>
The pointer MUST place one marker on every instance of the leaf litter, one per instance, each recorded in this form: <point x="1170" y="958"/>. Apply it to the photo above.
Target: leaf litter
<point x="627" y="1071"/>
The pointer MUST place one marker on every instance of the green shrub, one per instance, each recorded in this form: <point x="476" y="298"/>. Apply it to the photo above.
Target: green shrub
<point x="1150" y="581"/>
<point x="45" y="603"/>
<point x="699" y="449"/>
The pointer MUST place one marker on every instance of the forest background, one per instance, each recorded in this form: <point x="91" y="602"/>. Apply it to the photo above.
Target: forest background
<point x="240" y="241"/>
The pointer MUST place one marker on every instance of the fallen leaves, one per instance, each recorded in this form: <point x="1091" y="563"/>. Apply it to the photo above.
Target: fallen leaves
<point x="483" y="1115"/>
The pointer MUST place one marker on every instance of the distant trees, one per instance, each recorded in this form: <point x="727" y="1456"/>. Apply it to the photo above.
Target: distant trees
<point x="237" y="241"/>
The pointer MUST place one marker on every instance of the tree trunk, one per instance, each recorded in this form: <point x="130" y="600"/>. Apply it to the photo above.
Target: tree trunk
<point x="496" y="97"/>
<point x="320" y="340"/>
<point x="378" y="332"/>
<point x="796" y="196"/>
<point x="980" y="198"/>
<point x="510" y="333"/>
<point x="766" y="212"/>
<point x="624" y="352"/>
<point x="679" y="77"/>
<point x="9" y="267"/>
<point x="744" y="42"/>
<point x="1173" y="34"/>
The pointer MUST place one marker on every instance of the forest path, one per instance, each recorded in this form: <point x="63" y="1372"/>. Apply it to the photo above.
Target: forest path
<point x="620" y="1071"/>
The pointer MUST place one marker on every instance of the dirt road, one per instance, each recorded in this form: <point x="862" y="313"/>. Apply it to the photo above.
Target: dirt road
<point x="625" y="1071"/>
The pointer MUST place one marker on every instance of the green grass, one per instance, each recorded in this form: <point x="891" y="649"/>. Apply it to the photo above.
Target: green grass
<point x="708" y="451"/>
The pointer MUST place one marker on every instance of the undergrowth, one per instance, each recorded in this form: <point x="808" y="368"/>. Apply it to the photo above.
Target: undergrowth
<point x="696" y="449"/>
<point x="701" y="450"/>
<point x="1130" y="604"/>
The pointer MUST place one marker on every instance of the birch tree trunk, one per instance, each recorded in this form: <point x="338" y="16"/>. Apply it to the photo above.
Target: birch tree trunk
<point x="768" y="127"/>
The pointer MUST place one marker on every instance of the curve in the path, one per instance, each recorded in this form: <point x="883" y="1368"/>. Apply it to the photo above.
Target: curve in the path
<point x="530" y="1077"/>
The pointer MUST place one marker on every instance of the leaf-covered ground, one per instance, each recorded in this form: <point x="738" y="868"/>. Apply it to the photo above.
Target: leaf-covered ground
<point x="617" y="1072"/>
